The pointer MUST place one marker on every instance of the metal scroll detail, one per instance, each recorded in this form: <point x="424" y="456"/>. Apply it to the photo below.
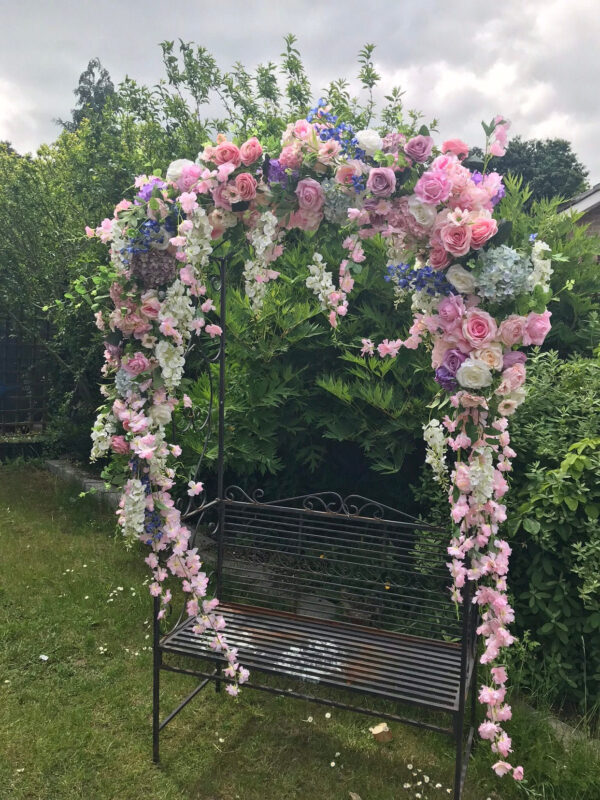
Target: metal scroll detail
<point x="354" y="505"/>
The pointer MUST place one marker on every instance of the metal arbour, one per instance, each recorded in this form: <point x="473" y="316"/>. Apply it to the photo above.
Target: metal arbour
<point x="346" y="593"/>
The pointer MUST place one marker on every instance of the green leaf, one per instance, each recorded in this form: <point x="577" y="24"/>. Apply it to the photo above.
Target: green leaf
<point x="531" y="525"/>
<point x="571" y="503"/>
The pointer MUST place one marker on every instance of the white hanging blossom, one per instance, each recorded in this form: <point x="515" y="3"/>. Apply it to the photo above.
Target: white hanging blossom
<point x="171" y="361"/>
<point x="320" y="281"/>
<point x="542" y="267"/>
<point x="481" y="475"/>
<point x="435" y="438"/>
<point x="199" y="241"/>
<point x="132" y="510"/>
<point x="257" y="274"/>
<point x="104" y="428"/>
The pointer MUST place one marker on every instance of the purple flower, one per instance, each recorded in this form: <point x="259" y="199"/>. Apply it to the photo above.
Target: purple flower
<point x="419" y="148"/>
<point x="513" y="357"/>
<point x="276" y="173"/>
<point x="452" y="361"/>
<point x="145" y="193"/>
<point x="446" y="379"/>
<point x="476" y="177"/>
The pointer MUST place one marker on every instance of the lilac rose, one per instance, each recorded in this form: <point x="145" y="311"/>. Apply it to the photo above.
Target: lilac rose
<point x="513" y="357"/>
<point x="419" y="148"/>
<point x="446" y="379"/>
<point x="452" y="361"/>
<point x="381" y="181"/>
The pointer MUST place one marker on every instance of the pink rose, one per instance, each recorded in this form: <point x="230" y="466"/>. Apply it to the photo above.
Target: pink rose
<point x="433" y="187"/>
<point x="221" y="196"/>
<point x="482" y="230"/>
<point x="419" y="148"/>
<point x="136" y="364"/>
<point x="303" y="129"/>
<point x="305" y="220"/>
<point x="457" y="147"/>
<point x="246" y="186"/>
<point x="518" y="773"/>
<point x="512" y="330"/>
<point x="456" y="239"/>
<point x="514" y="377"/>
<point x="190" y="175"/>
<point x="450" y="309"/>
<point x="381" y="181"/>
<point x="479" y="328"/>
<point x="310" y="195"/>
<point x="250" y="151"/>
<point x="290" y="157"/>
<point x="150" y="307"/>
<point x="347" y="171"/>
<point x="119" y="444"/>
<point x="438" y="258"/>
<point x="537" y="328"/>
<point x="227" y="152"/>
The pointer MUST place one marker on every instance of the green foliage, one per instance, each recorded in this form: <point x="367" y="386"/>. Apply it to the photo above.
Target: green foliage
<point x="305" y="410"/>
<point x="575" y="283"/>
<point x="556" y="532"/>
<point x="548" y="166"/>
<point x="553" y="522"/>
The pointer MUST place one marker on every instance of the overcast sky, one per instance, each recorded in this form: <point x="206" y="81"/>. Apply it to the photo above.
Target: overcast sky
<point x="535" y="61"/>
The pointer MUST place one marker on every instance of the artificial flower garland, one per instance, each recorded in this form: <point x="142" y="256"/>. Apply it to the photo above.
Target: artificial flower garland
<point x="435" y="214"/>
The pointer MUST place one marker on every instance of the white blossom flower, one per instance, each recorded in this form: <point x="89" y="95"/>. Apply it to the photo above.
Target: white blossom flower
<point x="369" y="141"/>
<point x="473" y="374"/>
<point x="462" y="280"/>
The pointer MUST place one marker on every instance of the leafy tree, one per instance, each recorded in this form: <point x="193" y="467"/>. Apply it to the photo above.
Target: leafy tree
<point x="93" y="91"/>
<point x="548" y="166"/>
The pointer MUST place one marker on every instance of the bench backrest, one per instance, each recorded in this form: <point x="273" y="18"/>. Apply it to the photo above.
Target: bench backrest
<point x="351" y="560"/>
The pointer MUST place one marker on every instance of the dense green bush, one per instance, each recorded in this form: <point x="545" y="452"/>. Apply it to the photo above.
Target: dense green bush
<point x="553" y="524"/>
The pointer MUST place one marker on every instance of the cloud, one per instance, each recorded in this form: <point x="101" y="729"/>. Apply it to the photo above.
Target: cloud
<point x="534" y="60"/>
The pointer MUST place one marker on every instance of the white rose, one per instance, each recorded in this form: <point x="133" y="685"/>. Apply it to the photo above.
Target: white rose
<point x="461" y="279"/>
<point x="491" y="355"/>
<point x="369" y="141"/>
<point x="423" y="213"/>
<point x="473" y="374"/>
<point x="176" y="168"/>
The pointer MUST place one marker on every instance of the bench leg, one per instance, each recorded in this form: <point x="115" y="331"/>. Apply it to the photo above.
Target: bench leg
<point x="217" y="681"/>
<point x="458" y="766"/>
<point x="157" y="659"/>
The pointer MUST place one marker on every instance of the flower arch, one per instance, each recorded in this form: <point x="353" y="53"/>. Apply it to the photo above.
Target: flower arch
<point x="475" y="302"/>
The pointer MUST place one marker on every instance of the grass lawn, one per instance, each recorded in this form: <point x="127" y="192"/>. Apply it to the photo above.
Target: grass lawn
<point x="78" y="724"/>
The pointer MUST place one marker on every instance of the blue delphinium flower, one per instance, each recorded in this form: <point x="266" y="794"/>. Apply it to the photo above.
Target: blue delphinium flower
<point x="424" y="279"/>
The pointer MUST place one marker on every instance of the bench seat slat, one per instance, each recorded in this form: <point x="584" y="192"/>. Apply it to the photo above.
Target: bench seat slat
<point x="396" y="666"/>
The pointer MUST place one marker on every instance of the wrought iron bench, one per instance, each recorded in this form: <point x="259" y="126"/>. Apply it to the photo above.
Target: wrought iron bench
<point x="344" y="593"/>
